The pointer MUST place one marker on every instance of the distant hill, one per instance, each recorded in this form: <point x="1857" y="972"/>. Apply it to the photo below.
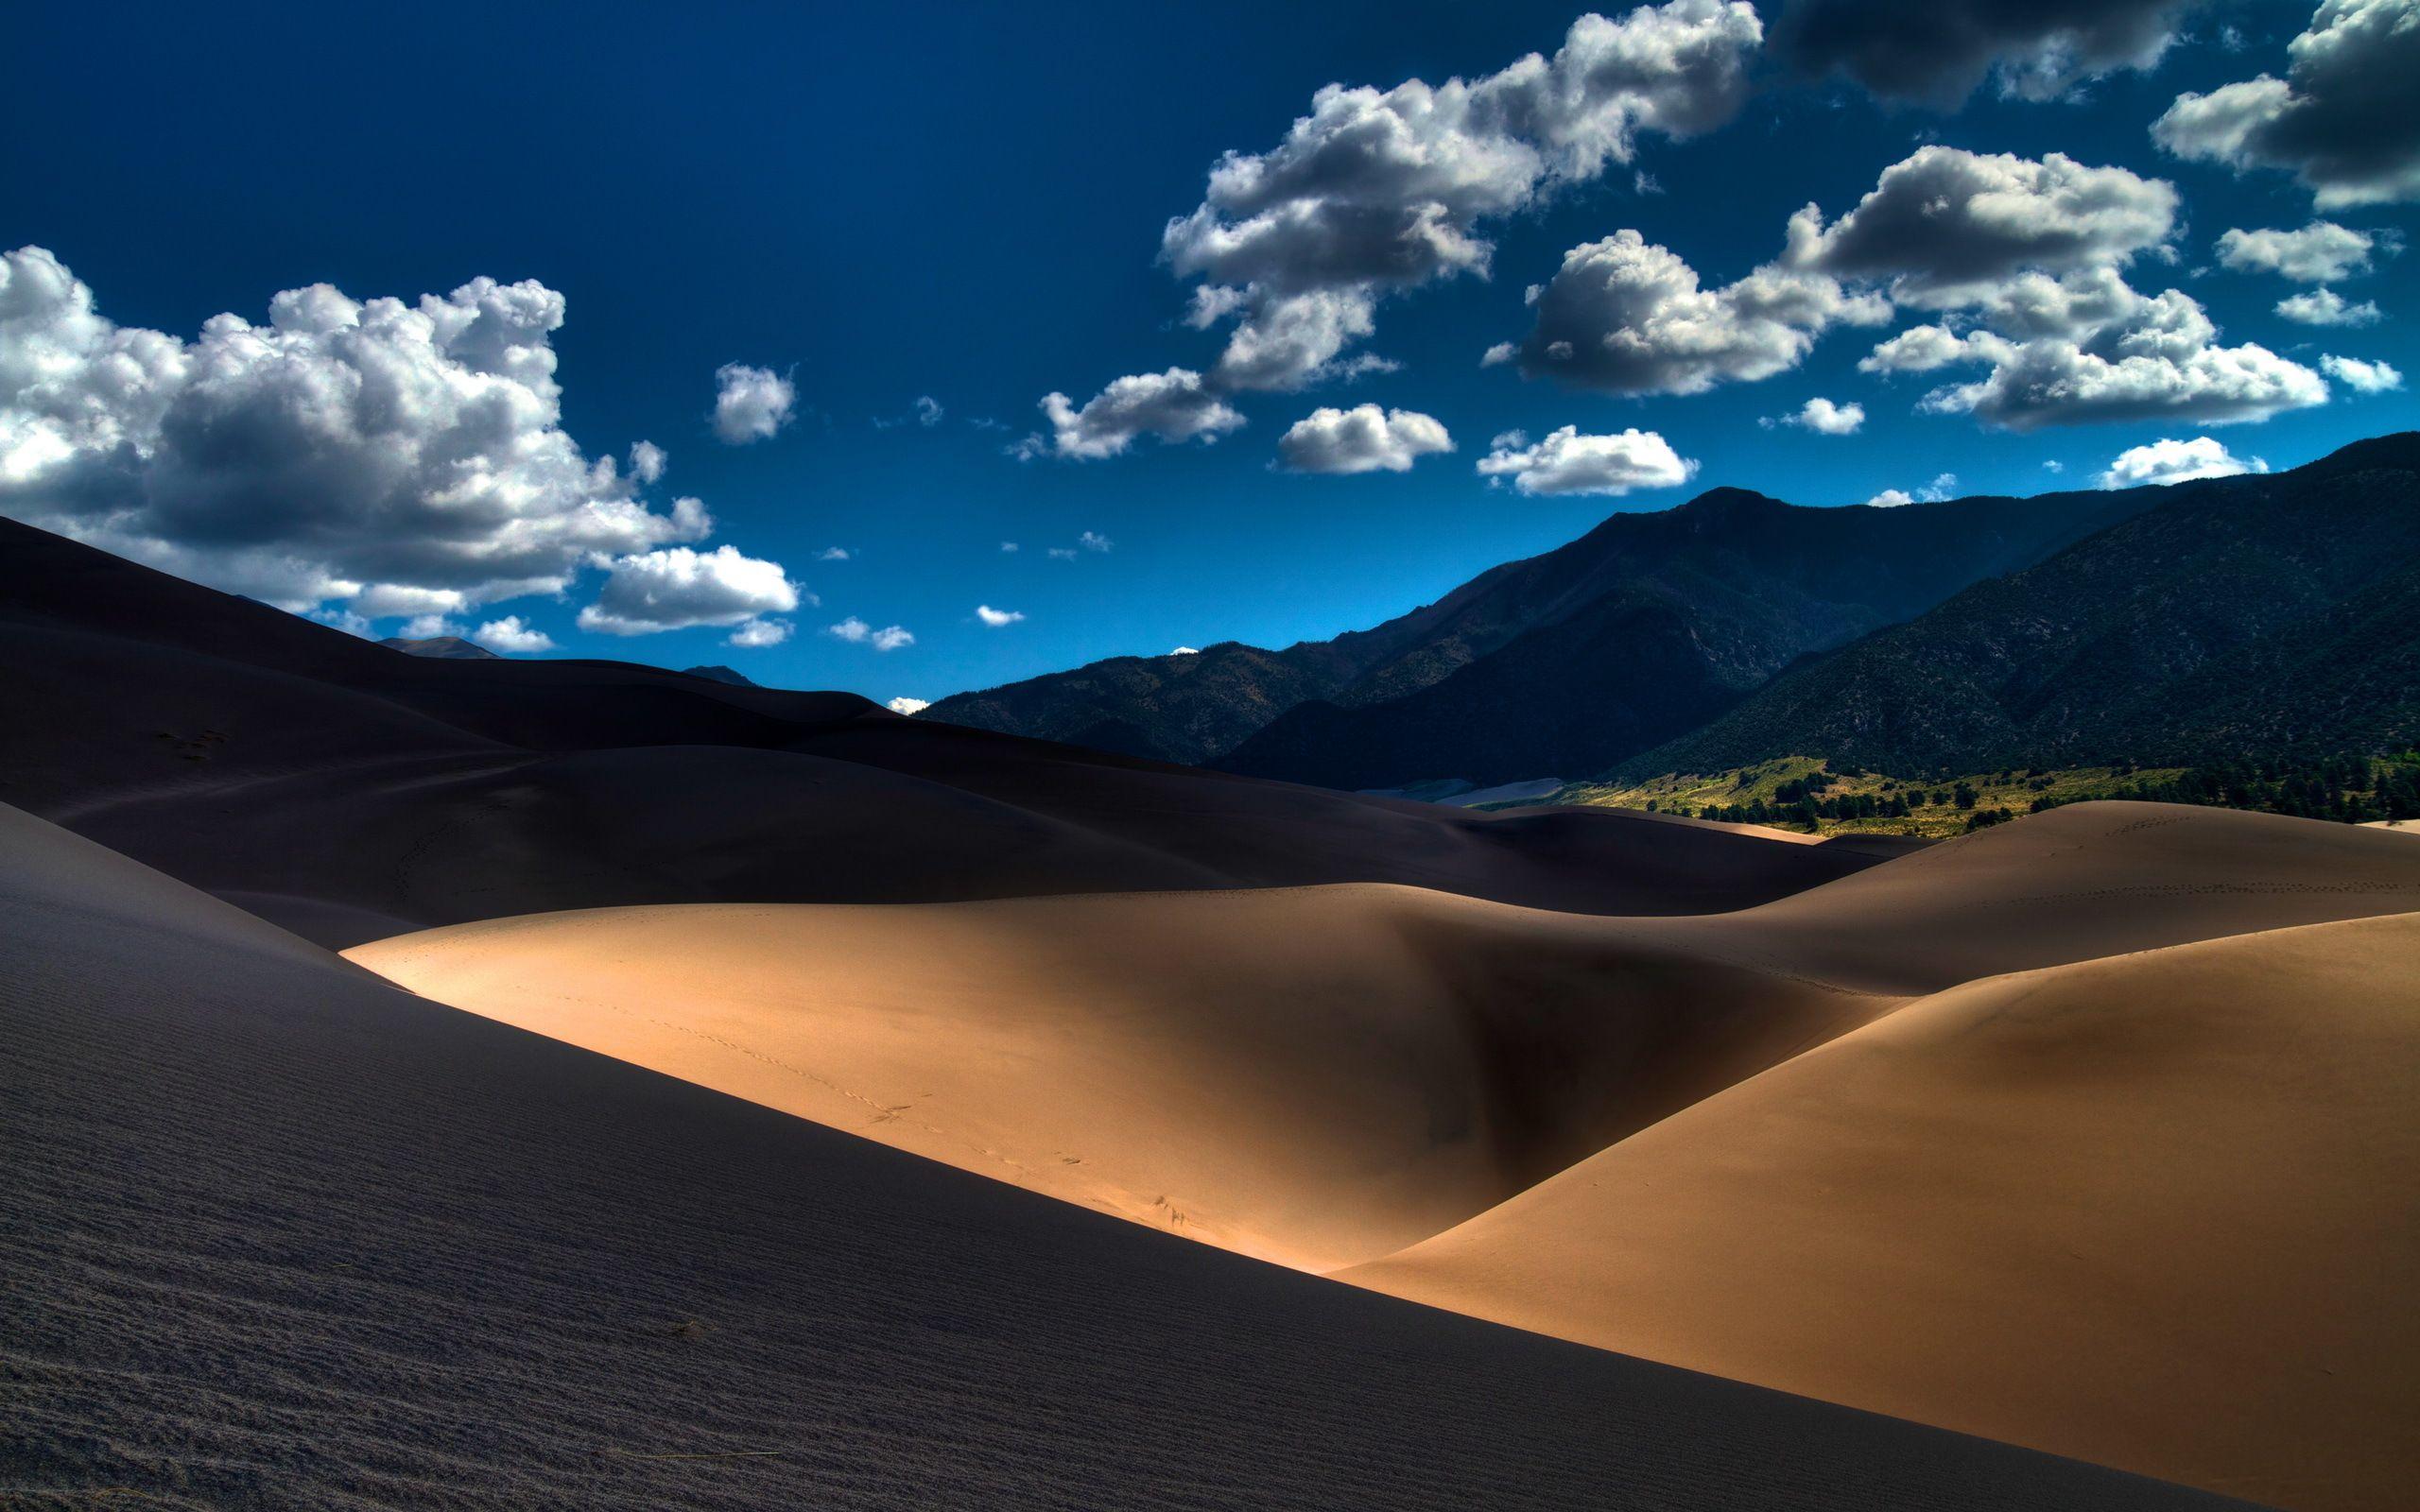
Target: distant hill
<point x="2243" y="617"/>
<point x="448" y="647"/>
<point x="1558" y="664"/>
<point x="721" y="674"/>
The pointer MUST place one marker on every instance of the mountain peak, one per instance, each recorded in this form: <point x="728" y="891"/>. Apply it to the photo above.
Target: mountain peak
<point x="451" y="648"/>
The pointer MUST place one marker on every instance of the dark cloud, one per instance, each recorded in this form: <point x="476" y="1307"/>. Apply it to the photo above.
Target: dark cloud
<point x="1936" y="52"/>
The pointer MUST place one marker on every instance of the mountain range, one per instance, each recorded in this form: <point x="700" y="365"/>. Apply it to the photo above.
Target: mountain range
<point x="1736" y="628"/>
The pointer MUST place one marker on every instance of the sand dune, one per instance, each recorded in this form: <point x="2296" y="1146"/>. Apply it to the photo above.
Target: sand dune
<point x="281" y="1236"/>
<point x="348" y="791"/>
<point x="1316" y="1076"/>
<point x="2151" y="1212"/>
<point x="1319" y="1075"/>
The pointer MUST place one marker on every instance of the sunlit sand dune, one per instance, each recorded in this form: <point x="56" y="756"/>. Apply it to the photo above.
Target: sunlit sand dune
<point x="2127" y="1207"/>
<point x="2153" y="1211"/>
<point x="1312" y="1076"/>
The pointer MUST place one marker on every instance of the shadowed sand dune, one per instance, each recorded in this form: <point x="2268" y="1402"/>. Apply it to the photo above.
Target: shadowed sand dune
<point x="1319" y="1075"/>
<point x="280" y="1236"/>
<point x="2153" y="1211"/>
<point x="348" y="791"/>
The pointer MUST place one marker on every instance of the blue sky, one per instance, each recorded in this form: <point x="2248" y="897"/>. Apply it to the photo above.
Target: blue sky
<point x="967" y="204"/>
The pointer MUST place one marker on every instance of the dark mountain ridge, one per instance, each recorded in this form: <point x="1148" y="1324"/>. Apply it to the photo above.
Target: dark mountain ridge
<point x="1559" y="663"/>
<point x="2264" y="614"/>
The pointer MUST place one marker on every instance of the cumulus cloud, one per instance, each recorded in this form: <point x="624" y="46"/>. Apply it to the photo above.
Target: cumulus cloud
<point x="1567" y="462"/>
<point x="1062" y="554"/>
<point x="2327" y="307"/>
<point x="1626" y="316"/>
<point x="677" y="589"/>
<point x="1378" y="191"/>
<point x="1946" y="225"/>
<point x="910" y="707"/>
<point x="2172" y="461"/>
<point x="832" y="554"/>
<point x="2362" y="377"/>
<point x="751" y="404"/>
<point x="1823" y="416"/>
<point x="1939" y="489"/>
<point x="1364" y="439"/>
<point x="648" y="462"/>
<point x="996" y="618"/>
<point x="2344" y="120"/>
<point x="1936" y="52"/>
<point x="1009" y="546"/>
<point x="1095" y="540"/>
<point x="928" y="411"/>
<point x="396" y="457"/>
<point x="857" y="632"/>
<point x="512" y="634"/>
<point x="2085" y="347"/>
<point x="751" y="635"/>
<point x="1186" y="650"/>
<point x="1174" y="406"/>
<point x="2321" y="253"/>
<point x="428" y="627"/>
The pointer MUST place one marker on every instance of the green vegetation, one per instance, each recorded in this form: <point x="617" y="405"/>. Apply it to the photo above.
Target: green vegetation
<point x="1824" y="798"/>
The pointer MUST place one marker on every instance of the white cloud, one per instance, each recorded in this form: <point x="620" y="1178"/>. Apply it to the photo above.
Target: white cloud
<point x="2344" y="120"/>
<point x="910" y="707"/>
<point x="1568" y="462"/>
<point x="1944" y="226"/>
<point x="750" y="635"/>
<point x="1937" y="53"/>
<point x="1186" y="650"/>
<point x="428" y="627"/>
<point x="677" y="588"/>
<point x="647" y="461"/>
<point x="1173" y="406"/>
<point x="2327" y="307"/>
<point x="857" y="632"/>
<point x="832" y="554"/>
<point x="1376" y="191"/>
<point x="1062" y="554"/>
<point x="1364" y="439"/>
<point x="1940" y="488"/>
<point x="512" y="634"/>
<point x="1626" y="316"/>
<point x="2362" y="377"/>
<point x="1010" y="545"/>
<point x="345" y="449"/>
<point x="2084" y="347"/>
<point x="2321" y="253"/>
<point x="751" y="404"/>
<point x="1095" y="540"/>
<point x="996" y="618"/>
<point x="928" y="411"/>
<point x="2172" y="461"/>
<point x="1825" y="418"/>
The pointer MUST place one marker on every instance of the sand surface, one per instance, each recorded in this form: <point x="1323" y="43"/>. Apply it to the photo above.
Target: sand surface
<point x="1322" y="1076"/>
<point x="2134" y="1210"/>
<point x="280" y="1236"/>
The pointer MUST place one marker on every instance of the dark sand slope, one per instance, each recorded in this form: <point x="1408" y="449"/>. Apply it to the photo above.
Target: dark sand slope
<point x="349" y="791"/>
<point x="279" y="1236"/>
<point x="1321" y="1076"/>
<point x="2156" y="1211"/>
